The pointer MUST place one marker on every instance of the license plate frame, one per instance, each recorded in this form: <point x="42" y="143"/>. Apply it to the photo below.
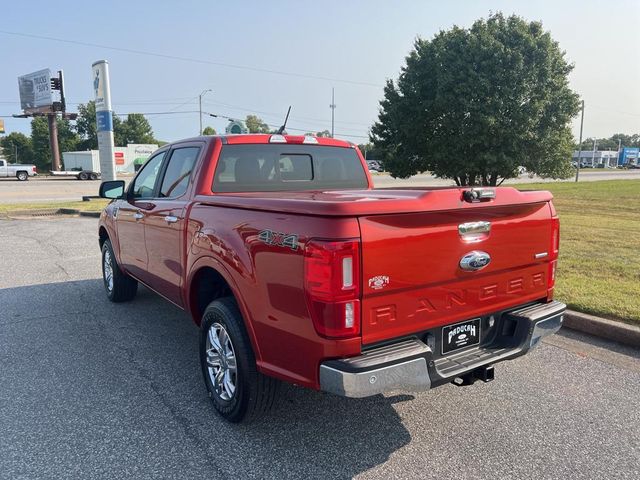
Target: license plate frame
<point x="465" y="337"/>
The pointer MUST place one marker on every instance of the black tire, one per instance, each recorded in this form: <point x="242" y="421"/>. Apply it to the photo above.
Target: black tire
<point x="22" y="176"/>
<point x="83" y="176"/>
<point x="93" y="176"/>
<point x="122" y="288"/>
<point x="254" y="393"/>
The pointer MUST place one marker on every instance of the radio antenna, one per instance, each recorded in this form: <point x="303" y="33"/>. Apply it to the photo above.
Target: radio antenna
<point x="281" y="129"/>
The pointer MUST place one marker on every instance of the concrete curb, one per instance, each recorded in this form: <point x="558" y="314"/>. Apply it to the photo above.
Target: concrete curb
<point x="49" y="212"/>
<point x="601" y="327"/>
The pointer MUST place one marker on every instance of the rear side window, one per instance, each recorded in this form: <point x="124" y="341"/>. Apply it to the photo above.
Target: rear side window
<point x="178" y="173"/>
<point x="279" y="167"/>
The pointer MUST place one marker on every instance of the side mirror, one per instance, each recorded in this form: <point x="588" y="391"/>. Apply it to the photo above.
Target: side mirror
<point x="112" y="189"/>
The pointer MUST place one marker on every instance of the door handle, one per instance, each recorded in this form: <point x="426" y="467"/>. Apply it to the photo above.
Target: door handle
<point x="170" y="219"/>
<point x="138" y="215"/>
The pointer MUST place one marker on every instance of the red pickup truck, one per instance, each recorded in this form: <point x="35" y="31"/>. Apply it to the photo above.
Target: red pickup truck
<point x="297" y="269"/>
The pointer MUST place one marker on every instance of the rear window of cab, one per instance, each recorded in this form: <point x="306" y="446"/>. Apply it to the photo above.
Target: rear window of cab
<point x="280" y="167"/>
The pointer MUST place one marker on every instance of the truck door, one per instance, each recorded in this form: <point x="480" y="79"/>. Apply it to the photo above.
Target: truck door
<point x="165" y="223"/>
<point x="132" y="214"/>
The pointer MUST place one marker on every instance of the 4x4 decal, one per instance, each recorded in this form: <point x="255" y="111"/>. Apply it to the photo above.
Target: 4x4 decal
<point x="270" y="237"/>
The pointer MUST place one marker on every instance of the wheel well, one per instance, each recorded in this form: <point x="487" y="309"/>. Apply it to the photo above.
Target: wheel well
<point x="103" y="235"/>
<point x="206" y="286"/>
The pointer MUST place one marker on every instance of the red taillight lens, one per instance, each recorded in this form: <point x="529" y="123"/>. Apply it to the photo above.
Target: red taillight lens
<point x="332" y="286"/>
<point x="555" y="237"/>
<point x="34" y="169"/>
<point x="551" y="280"/>
<point x="554" y="249"/>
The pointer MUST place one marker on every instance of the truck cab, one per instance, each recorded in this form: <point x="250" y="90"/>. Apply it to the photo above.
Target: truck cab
<point x="296" y="269"/>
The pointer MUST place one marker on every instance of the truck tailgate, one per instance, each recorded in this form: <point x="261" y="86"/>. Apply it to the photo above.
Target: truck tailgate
<point x="412" y="278"/>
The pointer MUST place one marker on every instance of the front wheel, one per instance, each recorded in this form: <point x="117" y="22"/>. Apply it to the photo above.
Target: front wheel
<point x="119" y="286"/>
<point x="237" y="390"/>
<point x="22" y="176"/>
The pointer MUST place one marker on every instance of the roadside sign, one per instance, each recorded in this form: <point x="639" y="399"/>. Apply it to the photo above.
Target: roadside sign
<point x="35" y="91"/>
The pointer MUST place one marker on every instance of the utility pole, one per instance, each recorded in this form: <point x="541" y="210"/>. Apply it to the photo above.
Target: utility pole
<point x="52" y="119"/>
<point x="580" y="144"/>
<point x="593" y="155"/>
<point x="200" y="106"/>
<point x="333" y="110"/>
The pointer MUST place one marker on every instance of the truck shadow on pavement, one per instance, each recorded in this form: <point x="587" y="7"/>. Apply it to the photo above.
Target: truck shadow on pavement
<point x="91" y="386"/>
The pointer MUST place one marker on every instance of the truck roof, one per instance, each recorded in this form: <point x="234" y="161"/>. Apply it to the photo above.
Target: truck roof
<point x="265" y="138"/>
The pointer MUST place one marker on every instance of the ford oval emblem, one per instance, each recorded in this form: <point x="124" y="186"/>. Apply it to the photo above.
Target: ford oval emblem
<point x="475" y="260"/>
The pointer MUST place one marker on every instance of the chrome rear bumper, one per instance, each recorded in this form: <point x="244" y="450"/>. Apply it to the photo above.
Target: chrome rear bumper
<point x="411" y="365"/>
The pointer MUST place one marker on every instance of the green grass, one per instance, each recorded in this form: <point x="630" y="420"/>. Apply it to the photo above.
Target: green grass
<point x="599" y="265"/>
<point x="92" y="206"/>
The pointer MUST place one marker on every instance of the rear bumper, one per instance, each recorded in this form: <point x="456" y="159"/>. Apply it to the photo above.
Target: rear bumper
<point x="412" y="365"/>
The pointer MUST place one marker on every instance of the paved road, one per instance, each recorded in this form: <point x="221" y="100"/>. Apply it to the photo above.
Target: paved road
<point x="47" y="189"/>
<point x="89" y="389"/>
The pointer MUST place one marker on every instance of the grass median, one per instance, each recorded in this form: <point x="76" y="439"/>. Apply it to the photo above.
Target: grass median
<point x="599" y="265"/>
<point x="92" y="206"/>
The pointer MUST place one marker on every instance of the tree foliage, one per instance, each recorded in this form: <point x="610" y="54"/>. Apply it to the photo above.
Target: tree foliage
<point x="134" y="129"/>
<point x="611" y="143"/>
<point x="19" y="143"/>
<point x="474" y="104"/>
<point x="256" y="125"/>
<point x="137" y="129"/>
<point x="209" y="131"/>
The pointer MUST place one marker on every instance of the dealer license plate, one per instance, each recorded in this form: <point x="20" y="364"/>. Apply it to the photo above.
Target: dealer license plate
<point x="460" y="335"/>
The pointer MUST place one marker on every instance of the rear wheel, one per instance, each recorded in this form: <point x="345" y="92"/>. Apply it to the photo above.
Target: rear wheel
<point x="237" y="390"/>
<point x="119" y="286"/>
<point x="22" y="176"/>
<point x="93" y="176"/>
<point x="83" y="176"/>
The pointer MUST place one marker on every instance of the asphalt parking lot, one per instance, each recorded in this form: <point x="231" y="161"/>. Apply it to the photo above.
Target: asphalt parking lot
<point x="45" y="189"/>
<point x="89" y="389"/>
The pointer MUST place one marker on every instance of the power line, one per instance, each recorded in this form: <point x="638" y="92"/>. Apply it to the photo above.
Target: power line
<point x="190" y="59"/>
<point x="279" y="115"/>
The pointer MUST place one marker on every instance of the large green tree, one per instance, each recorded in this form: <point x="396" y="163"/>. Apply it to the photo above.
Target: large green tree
<point x="68" y="140"/>
<point x="474" y="104"/>
<point x="256" y="125"/>
<point x="137" y="129"/>
<point x="16" y="147"/>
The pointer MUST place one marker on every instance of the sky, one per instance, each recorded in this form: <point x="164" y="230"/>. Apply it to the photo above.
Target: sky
<point x="260" y="57"/>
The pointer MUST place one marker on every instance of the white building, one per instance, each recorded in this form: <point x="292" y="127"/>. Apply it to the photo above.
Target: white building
<point x="599" y="158"/>
<point x="126" y="158"/>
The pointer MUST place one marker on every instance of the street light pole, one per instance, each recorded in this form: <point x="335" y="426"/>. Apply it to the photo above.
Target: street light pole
<point x="200" y="106"/>
<point x="580" y="144"/>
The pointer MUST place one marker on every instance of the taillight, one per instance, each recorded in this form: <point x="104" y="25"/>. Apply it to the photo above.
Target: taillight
<point x="34" y="169"/>
<point x="332" y="286"/>
<point x="555" y="237"/>
<point x="554" y="250"/>
<point x="551" y="280"/>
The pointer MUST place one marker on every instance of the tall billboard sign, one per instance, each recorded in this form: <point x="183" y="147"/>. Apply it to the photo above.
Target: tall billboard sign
<point x="35" y="91"/>
<point x="104" y="119"/>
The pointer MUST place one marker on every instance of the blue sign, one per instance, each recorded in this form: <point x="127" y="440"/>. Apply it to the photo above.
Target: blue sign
<point x="629" y="155"/>
<point x="105" y="121"/>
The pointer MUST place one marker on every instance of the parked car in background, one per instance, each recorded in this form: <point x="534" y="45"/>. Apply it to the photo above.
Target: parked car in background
<point x="295" y="268"/>
<point x="20" y="171"/>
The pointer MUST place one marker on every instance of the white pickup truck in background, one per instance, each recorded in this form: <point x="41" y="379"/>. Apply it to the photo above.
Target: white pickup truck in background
<point x="17" y="170"/>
